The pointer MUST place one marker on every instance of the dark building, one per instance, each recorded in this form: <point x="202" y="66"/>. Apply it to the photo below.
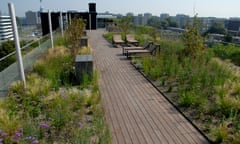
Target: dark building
<point x="233" y="25"/>
<point x="90" y="17"/>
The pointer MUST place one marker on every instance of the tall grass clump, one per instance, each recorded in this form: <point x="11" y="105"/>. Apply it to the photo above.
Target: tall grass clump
<point x="56" y="65"/>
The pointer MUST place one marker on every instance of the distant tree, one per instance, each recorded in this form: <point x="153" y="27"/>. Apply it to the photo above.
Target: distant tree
<point x="164" y="24"/>
<point x="216" y="28"/>
<point x="172" y="23"/>
<point x="154" y="22"/>
<point x="228" y="38"/>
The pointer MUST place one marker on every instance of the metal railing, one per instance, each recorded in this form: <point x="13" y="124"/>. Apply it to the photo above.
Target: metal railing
<point x="31" y="54"/>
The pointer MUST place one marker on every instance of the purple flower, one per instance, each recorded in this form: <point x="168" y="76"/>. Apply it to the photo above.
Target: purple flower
<point x="4" y="133"/>
<point x="29" y="138"/>
<point x="35" y="142"/>
<point x="42" y="96"/>
<point x="1" y="140"/>
<point x="46" y="134"/>
<point x="80" y="124"/>
<point x="17" y="135"/>
<point x="44" y="125"/>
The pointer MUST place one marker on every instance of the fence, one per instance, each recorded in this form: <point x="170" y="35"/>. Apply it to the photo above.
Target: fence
<point x="10" y="74"/>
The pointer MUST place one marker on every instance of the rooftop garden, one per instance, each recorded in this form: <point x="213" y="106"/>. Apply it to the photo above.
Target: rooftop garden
<point x="51" y="109"/>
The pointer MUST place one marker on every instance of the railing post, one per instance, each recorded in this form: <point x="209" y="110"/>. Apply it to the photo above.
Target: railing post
<point x="90" y="22"/>
<point x="17" y="44"/>
<point x="61" y="22"/>
<point x="50" y="27"/>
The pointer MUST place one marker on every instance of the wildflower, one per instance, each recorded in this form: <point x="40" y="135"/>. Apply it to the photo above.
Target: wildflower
<point x="46" y="134"/>
<point x="80" y="124"/>
<point x="4" y="134"/>
<point x="35" y="142"/>
<point x="17" y="136"/>
<point x="44" y="125"/>
<point x="42" y="96"/>
<point x="29" y="138"/>
<point x="1" y="141"/>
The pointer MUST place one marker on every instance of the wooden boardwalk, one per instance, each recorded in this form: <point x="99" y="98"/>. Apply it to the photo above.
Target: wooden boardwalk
<point x="135" y="111"/>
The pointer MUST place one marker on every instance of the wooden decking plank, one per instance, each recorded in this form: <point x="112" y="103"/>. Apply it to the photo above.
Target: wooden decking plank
<point x="140" y="114"/>
<point x="117" y="131"/>
<point x="126" y="119"/>
<point x="121" y="96"/>
<point x="155" y="116"/>
<point x="140" y="104"/>
<point x="135" y="110"/>
<point x="115" y="101"/>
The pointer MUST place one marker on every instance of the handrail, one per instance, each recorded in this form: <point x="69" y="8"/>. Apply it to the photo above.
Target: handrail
<point x="24" y="47"/>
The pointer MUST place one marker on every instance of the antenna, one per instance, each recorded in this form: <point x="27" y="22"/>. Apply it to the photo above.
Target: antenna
<point x="41" y="9"/>
<point x="194" y="8"/>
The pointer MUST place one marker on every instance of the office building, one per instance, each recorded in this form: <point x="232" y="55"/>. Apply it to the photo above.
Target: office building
<point x="32" y="18"/>
<point x="182" y="20"/>
<point x="146" y="17"/>
<point x="164" y="16"/>
<point x="6" y="30"/>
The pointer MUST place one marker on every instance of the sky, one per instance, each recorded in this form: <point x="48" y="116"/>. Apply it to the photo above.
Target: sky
<point x="204" y="8"/>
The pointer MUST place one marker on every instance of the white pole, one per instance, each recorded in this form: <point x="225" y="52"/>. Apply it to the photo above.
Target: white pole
<point x="50" y="28"/>
<point x="66" y="20"/>
<point x="17" y="44"/>
<point x="70" y="19"/>
<point x="61" y="22"/>
<point x="90" y="22"/>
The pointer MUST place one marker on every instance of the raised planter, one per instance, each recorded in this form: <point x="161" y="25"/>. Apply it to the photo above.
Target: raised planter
<point x="84" y="67"/>
<point x="83" y="41"/>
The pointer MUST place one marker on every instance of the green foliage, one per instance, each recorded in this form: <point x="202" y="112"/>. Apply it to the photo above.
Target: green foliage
<point x="216" y="28"/>
<point x="139" y="30"/>
<point x="203" y="86"/>
<point x="154" y="22"/>
<point x="192" y="39"/>
<point x="5" y="49"/>
<point x="73" y="32"/>
<point x="40" y="114"/>
<point x="125" y="23"/>
<point x="56" y="66"/>
<point x="231" y="52"/>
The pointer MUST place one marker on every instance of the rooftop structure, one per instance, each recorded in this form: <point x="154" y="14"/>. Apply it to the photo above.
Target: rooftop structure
<point x="90" y="17"/>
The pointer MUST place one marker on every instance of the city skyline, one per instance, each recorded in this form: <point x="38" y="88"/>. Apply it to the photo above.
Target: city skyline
<point x="204" y="8"/>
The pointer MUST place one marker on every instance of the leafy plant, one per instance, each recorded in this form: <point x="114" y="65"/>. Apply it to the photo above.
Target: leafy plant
<point x="73" y="32"/>
<point x="192" y="39"/>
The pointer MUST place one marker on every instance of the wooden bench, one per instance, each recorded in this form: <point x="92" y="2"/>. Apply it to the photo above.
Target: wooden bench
<point x="130" y="38"/>
<point x="152" y="50"/>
